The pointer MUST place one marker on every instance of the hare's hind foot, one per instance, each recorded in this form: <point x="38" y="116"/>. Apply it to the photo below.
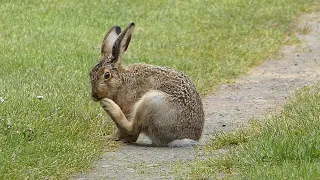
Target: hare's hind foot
<point x="183" y="143"/>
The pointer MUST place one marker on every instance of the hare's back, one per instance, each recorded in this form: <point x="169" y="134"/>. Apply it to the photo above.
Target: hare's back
<point x="173" y="82"/>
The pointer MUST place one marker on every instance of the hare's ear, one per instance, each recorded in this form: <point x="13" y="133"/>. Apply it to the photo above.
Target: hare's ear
<point x="109" y="40"/>
<point x="121" y="44"/>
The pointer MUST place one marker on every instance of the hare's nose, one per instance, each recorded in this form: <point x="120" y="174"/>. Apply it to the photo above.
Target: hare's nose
<point x="94" y="97"/>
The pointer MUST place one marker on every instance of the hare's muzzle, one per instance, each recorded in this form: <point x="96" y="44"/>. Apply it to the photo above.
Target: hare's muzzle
<point x="94" y="97"/>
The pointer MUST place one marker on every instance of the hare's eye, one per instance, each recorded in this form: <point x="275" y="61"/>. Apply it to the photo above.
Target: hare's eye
<point x="107" y="75"/>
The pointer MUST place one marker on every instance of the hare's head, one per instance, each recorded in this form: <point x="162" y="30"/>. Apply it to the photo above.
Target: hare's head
<point x="105" y="75"/>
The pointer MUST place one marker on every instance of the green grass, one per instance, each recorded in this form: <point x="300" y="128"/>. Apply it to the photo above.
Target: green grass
<point x="48" y="47"/>
<point x="285" y="146"/>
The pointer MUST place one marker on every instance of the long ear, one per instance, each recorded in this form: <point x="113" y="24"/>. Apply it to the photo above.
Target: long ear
<point x="109" y="40"/>
<point x="122" y="42"/>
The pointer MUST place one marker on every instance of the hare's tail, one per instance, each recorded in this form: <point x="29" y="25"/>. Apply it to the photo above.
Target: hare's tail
<point x="183" y="143"/>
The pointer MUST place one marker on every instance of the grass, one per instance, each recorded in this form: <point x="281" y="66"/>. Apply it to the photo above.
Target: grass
<point x="48" y="48"/>
<point x="285" y="146"/>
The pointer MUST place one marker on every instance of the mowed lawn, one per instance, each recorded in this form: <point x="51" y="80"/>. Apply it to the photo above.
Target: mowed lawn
<point x="50" y="128"/>
<point x="284" y="146"/>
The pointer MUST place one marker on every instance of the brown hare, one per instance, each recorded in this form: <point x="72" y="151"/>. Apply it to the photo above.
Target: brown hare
<point x="158" y="101"/>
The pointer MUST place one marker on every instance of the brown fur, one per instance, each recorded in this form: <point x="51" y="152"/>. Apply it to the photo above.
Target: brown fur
<point x="159" y="101"/>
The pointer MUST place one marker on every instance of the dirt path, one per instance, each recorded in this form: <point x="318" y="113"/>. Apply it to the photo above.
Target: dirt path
<point x="262" y="90"/>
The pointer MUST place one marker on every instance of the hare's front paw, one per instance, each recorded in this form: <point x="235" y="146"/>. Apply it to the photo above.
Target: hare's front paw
<point x="114" y="137"/>
<point x="108" y="105"/>
<point x="119" y="136"/>
<point x="113" y="110"/>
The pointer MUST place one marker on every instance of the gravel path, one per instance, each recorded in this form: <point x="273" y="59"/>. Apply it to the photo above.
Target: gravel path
<point x="262" y="90"/>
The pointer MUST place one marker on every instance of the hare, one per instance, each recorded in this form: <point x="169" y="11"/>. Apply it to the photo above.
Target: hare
<point x="160" y="102"/>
